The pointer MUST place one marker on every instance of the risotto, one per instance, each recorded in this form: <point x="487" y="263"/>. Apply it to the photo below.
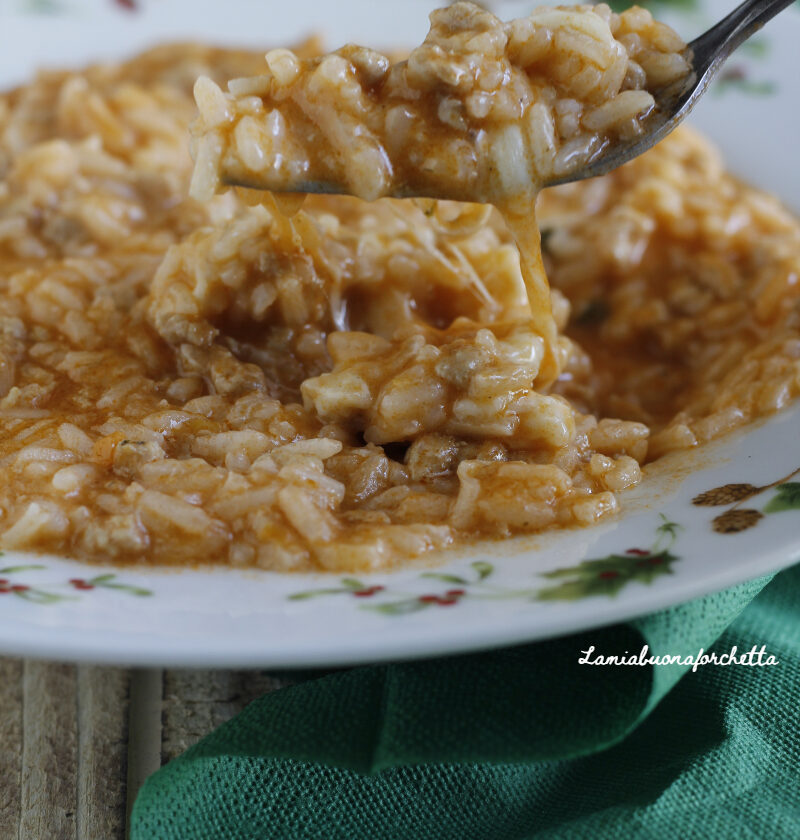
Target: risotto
<point x="347" y="384"/>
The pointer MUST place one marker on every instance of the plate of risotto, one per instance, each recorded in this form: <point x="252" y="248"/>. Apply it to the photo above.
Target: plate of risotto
<point x="426" y="407"/>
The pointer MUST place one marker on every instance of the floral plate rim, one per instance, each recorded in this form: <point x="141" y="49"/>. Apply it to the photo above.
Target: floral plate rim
<point x="66" y="610"/>
<point x="689" y="530"/>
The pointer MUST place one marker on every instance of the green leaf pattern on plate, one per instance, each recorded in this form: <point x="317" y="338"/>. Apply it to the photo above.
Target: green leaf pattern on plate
<point x="54" y="594"/>
<point x="602" y="576"/>
<point x="787" y="498"/>
<point x="608" y="575"/>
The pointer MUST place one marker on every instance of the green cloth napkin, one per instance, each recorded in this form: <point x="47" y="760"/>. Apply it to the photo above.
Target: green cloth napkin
<point x="516" y="743"/>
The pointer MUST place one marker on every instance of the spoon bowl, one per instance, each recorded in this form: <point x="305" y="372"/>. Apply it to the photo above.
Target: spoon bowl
<point x="704" y="57"/>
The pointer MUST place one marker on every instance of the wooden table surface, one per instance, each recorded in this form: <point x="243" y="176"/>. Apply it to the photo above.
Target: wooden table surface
<point x="77" y="741"/>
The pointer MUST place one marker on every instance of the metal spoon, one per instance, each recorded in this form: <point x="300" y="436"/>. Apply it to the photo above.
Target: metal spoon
<point x="707" y="52"/>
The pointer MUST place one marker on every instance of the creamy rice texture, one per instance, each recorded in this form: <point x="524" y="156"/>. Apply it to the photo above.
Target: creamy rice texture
<point x="482" y="111"/>
<point x="350" y="384"/>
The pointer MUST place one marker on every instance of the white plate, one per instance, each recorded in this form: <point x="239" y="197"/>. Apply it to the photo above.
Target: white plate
<point x="661" y="551"/>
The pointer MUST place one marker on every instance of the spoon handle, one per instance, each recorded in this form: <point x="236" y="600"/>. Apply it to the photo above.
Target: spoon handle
<point x="712" y="47"/>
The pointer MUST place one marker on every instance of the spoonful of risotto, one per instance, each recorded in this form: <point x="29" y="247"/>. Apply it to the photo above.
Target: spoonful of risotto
<point x="482" y="111"/>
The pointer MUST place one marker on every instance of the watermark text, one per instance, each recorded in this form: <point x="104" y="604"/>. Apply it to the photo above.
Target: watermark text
<point x="756" y="656"/>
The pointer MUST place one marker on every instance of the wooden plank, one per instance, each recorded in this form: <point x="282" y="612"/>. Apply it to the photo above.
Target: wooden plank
<point x="48" y="793"/>
<point x="77" y="742"/>
<point x="10" y="746"/>
<point x="197" y="702"/>
<point x="63" y="751"/>
<point x="144" y="729"/>
<point x="102" y="700"/>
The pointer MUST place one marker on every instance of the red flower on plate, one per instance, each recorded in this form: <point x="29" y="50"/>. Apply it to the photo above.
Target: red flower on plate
<point x="368" y="592"/>
<point x="80" y="583"/>
<point x="447" y="600"/>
